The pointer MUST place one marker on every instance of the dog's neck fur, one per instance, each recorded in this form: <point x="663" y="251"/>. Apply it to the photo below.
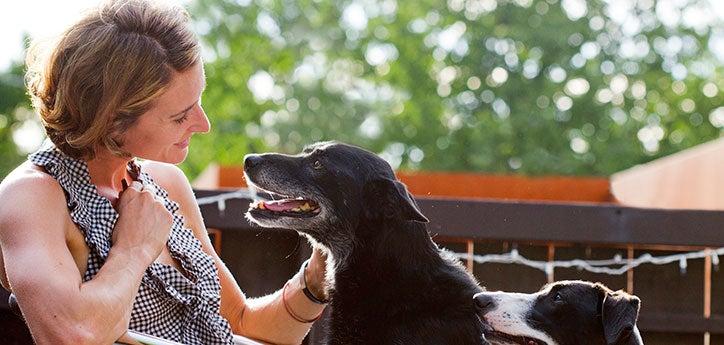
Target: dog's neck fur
<point x="380" y="280"/>
<point x="386" y="251"/>
<point x="393" y="242"/>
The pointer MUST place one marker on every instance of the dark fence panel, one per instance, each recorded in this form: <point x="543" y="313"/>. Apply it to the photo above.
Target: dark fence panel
<point x="572" y="223"/>
<point x="672" y="311"/>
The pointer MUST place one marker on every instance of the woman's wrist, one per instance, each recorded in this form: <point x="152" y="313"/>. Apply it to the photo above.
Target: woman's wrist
<point x="296" y="303"/>
<point x="315" y="292"/>
<point x="292" y="313"/>
<point x="315" y="273"/>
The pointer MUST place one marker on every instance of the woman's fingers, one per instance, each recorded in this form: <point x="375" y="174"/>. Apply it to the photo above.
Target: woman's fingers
<point x="137" y="186"/>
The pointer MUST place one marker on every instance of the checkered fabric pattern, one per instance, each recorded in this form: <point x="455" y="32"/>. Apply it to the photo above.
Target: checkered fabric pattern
<point x="169" y="304"/>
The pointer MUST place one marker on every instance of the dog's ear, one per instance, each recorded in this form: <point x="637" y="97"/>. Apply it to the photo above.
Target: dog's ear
<point x="619" y="314"/>
<point x="386" y="198"/>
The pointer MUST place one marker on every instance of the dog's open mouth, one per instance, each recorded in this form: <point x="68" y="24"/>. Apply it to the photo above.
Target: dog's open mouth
<point x="496" y="337"/>
<point x="285" y="206"/>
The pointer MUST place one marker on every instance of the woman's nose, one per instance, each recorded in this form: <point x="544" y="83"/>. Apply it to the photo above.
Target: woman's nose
<point x="200" y="121"/>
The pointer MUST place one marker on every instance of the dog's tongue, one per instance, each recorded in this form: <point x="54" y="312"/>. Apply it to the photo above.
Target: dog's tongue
<point x="284" y="205"/>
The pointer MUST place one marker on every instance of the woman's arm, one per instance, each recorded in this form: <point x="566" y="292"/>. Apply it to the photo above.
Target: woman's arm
<point x="57" y="305"/>
<point x="264" y="318"/>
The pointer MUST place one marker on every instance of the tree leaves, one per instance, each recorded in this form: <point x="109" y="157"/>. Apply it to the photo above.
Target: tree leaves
<point x="441" y="98"/>
<point x="498" y="86"/>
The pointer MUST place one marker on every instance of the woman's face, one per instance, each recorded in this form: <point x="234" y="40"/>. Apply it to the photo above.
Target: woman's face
<point x="163" y="132"/>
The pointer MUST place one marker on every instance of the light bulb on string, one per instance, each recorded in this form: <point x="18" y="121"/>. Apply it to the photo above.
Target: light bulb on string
<point x="549" y="271"/>
<point x="715" y="261"/>
<point x="682" y="265"/>
<point x="222" y="206"/>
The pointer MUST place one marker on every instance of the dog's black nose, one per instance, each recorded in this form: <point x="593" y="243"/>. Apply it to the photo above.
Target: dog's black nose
<point x="250" y="161"/>
<point x="484" y="303"/>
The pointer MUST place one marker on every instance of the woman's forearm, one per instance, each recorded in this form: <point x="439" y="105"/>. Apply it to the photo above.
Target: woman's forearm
<point x="110" y="294"/>
<point x="268" y="319"/>
<point x="95" y="312"/>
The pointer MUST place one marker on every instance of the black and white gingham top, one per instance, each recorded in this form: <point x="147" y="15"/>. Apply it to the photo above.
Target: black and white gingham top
<point x="169" y="304"/>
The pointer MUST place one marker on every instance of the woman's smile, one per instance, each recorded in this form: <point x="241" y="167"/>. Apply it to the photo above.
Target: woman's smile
<point x="183" y="144"/>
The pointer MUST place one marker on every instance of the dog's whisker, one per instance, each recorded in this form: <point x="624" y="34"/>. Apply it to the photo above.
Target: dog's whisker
<point x="295" y="249"/>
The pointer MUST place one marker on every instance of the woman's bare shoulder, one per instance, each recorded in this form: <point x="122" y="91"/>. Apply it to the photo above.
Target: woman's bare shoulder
<point x="30" y="190"/>
<point x="31" y="177"/>
<point x="168" y="176"/>
<point x="174" y="181"/>
<point x="32" y="208"/>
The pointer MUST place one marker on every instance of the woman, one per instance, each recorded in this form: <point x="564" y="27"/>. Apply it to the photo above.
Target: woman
<point x="88" y="258"/>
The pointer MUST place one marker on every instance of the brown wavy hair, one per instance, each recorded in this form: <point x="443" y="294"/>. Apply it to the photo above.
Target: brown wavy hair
<point x="106" y="70"/>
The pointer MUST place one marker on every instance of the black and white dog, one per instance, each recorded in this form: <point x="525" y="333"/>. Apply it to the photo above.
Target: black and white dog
<point x="561" y="313"/>
<point x="390" y="283"/>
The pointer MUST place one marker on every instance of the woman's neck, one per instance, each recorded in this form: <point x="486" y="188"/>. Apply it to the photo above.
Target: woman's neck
<point x="108" y="170"/>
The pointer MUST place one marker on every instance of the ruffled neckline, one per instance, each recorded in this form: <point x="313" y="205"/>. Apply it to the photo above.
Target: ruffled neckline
<point x="96" y="217"/>
<point x="197" y="288"/>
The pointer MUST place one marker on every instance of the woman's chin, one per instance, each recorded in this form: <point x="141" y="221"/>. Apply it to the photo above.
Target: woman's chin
<point x="175" y="156"/>
<point x="178" y="157"/>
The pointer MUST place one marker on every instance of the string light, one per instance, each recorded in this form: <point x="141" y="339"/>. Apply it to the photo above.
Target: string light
<point x="514" y="257"/>
<point x="596" y="266"/>
<point x="239" y="194"/>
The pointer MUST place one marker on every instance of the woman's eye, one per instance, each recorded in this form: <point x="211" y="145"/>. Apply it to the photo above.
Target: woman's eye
<point x="182" y="118"/>
<point x="317" y="165"/>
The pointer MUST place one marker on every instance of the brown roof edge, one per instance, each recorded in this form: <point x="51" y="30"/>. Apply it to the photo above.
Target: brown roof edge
<point x="689" y="179"/>
<point x="461" y="185"/>
<point x="516" y="187"/>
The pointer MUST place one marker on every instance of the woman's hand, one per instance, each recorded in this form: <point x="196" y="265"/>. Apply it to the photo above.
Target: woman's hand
<point x="143" y="224"/>
<point x="315" y="274"/>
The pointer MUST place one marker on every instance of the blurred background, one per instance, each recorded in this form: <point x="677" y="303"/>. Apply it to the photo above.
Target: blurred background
<point x="532" y="87"/>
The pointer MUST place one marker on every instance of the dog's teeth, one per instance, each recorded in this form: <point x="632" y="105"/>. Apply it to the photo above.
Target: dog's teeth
<point x="261" y="205"/>
<point x="305" y="207"/>
<point x="296" y="209"/>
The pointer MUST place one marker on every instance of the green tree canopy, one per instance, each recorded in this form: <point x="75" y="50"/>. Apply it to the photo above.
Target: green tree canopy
<point x="14" y="110"/>
<point x="537" y="87"/>
<point x="526" y="86"/>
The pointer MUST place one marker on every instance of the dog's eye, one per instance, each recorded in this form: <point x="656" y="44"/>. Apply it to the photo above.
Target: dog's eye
<point x="317" y="165"/>
<point x="557" y="297"/>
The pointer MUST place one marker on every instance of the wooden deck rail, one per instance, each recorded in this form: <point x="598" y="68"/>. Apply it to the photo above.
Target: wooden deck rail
<point x="554" y="225"/>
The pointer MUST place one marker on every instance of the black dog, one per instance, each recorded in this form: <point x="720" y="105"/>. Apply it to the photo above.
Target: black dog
<point x="562" y="313"/>
<point x="391" y="284"/>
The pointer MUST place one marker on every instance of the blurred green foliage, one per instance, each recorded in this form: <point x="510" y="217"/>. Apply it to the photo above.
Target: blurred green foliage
<point x="508" y="86"/>
<point x="13" y="102"/>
